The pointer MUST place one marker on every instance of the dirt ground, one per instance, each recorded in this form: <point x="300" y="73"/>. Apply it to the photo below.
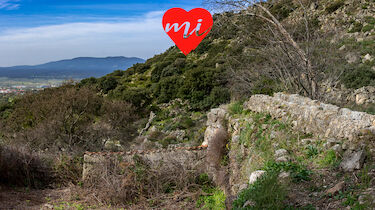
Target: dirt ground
<point x="22" y="198"/>
<point x="74" y="198"/>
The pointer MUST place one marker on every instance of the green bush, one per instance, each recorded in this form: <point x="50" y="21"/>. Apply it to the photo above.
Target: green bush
<point x="357" y="27"/>
<point x="335" y="6"/>
<point x="214" y="201"/>
<point x="282" y="9"/>
<point x="329" y="158"/>
<point x="357" y="77"/>
<point x="186" y="123"/>
<point x="311" y="151"/>
<point x="107" y="83"/>
<point x="236" y="108"/>
<point x="367" y="28"/>
<point x="298" y="172"/>
<point x="265" y="193"/>
<point x="370" y="20"/>
<point x="167" y="141"/>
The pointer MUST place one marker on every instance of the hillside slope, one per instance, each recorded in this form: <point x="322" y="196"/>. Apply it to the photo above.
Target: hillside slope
<point x="163" y="104"/>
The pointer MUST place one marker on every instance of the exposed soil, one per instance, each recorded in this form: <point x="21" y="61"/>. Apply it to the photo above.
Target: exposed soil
<point x="22" y="198"/>
<point x="76" y="198"/>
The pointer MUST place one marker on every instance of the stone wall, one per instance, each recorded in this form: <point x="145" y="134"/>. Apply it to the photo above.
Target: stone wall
<point x="311" y="116"/>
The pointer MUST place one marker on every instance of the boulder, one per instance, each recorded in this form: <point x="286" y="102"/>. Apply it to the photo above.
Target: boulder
<point x="351" y="58"/>
<point x="352" y="160"/>
<point x="216" y="124"/>
<point x="255" y="176"/>
<point x="367" y="57"/>
<point x="367" y="197"/>
<point x="280" y="153"/>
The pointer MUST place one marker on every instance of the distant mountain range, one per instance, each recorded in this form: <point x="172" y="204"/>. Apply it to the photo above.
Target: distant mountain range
<point x="76" y="68"/>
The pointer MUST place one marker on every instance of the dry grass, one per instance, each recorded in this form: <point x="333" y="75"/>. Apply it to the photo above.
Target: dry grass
<point x="122" y="183"/>
<point x="21" y="167"/>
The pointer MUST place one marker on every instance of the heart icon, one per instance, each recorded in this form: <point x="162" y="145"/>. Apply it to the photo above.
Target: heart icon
<point x="187" y="29"/>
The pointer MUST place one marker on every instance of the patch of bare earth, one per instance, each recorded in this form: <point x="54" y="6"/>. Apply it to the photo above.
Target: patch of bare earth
<point x="75" y="197"/>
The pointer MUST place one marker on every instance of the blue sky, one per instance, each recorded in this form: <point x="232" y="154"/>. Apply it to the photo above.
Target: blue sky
<point x="38" y="31"/>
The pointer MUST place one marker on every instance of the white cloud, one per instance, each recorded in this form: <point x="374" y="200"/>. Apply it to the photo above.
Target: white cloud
<point x="9" y="4"/>
<point x="141" y="37"/>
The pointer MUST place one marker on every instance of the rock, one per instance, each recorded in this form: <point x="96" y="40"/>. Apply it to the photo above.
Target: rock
<point x="280" y="153"/>
<point x="153" y="129"/>
<point x="361" y="99"/>
<point x="307" y="141"/>
<point x="351" y="58"/>
<point x="236" y="139"/>
<point x="337" y="188"/>
<point x="364" y="95"/>
<point x="273" y="134"/>
<point x="314" y="6"/>
<point x="282" y="159"/>
<point x="255" y="176"/>
<point x="367" y="197"/>
<point x="367" y="57"/>
<point x="216" y="122"/>
<point x="151" y="118"/>
<point x="248" y="204"/>
<point x="113" y="145"/>
<point x="330" y="143"/>
<point x="337" y="148"/>
<point x="48" y="206"/>
<point x="178" y="134"/>
<point x="352" y="160"/>
<point x="284" y="175"/>
<point x="360" y="39"/>
<point x="211" y="133"/>
<point x="342" y="48"/>
<point x="242" y="187"/>
<point x="310" y="116"/>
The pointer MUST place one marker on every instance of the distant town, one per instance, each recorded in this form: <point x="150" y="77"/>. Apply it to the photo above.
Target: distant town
<point x="11" y="87"/>
<point x="23" y="88"/>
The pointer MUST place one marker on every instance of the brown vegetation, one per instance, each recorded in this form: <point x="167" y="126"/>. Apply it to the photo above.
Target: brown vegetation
<point x="120" y="183"/>
<point x="68" y="119"/>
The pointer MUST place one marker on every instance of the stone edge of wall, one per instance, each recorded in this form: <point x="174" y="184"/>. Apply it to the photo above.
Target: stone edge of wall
<point x="312" y="116"/>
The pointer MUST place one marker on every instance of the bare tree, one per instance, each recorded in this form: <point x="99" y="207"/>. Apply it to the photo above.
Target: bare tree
<point x="287" y="61"/>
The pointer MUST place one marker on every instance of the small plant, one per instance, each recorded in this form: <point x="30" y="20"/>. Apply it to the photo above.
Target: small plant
<point x="298" y="172"/>
<point x="370" y="20"/>
<point x="236" y="108"/>
<point x="367" y="28"/>
<point x="334" y="6"/>
<point x="329" y="159"/>
<point x="214" y="201"/>
<point x="311" y="151"/>
<point x="186" y="123"/>
<point x="167" y="141"/>
<point x="265" y="193"/>
<point x="357" y="27"/>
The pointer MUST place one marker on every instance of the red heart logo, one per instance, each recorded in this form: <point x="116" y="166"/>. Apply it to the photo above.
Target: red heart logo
<point x="187" y="29"/>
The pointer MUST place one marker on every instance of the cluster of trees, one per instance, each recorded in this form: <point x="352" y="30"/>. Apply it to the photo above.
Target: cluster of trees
<point x="68" y="118"/>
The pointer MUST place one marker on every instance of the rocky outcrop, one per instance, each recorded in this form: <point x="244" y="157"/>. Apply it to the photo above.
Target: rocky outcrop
<point x="364" y="95"/>
<point x="352" y="160"/>
<point x="216" y="124"/>
<point x="311" y="116"/>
